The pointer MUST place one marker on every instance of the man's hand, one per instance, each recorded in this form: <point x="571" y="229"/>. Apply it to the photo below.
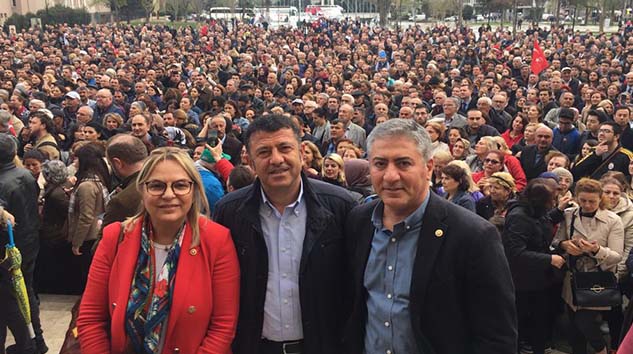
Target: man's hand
<point x="216" y="151"/>
<point x="601" y="148"/>
<point x="76" y="251"/>
<point x="6" y="216"/>
<point x="558" y="261"/>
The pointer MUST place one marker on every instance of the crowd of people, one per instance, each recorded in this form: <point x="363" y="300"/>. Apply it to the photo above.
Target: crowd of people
<point x="317" y="151"/>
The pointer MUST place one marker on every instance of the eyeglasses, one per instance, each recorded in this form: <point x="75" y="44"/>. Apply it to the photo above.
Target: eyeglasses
<point x="494" y="162"/>
<point x="158" y="188"/>
<point x="605" y="131"/>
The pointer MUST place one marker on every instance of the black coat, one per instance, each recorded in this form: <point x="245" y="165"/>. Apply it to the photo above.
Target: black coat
<point x="462" y="297"/>
<point x="18" y="190"/>
<point x="528" y="161"/>
<point x="232" y="147"/>
<point x="322" y="274"/>
<point x="526" y="238"/>
<point x="595" y="166"/>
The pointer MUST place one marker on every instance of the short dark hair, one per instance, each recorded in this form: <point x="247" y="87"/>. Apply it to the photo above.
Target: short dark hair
<point x="459" y="174"/>
<point x="270" y="124"/>
<point x="617" y="130"/>
<point x="8" y="148"/>
<point x="241" y="176"/>
<point x="49" y="125"/>
<point x="127" y="148"/>
<point x="35" y="154"/>
<point x="321" y="112"/>
<point x="538" y="194"/>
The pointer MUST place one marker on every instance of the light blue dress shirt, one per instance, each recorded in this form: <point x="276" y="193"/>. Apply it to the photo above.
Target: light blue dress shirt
<point x="388" y="282"/>
<point x="284" y="234"/>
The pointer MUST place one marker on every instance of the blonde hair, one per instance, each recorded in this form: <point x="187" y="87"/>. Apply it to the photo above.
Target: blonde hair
<point x="341" y="165"/>
<point x="199" y="205"/>
<point x="501" y="143"/>
<point x="472" y="186"/>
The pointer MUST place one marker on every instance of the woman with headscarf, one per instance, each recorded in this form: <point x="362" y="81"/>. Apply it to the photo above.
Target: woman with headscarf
<point x="53" y="258"/>
<point x="357" y="176"/>
<point x="493" y="207"/>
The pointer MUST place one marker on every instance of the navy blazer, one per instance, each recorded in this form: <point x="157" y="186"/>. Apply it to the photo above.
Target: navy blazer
<point x="462" y="295"/>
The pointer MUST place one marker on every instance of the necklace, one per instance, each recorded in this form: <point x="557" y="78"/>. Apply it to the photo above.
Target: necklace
<point x="161" y="247"/>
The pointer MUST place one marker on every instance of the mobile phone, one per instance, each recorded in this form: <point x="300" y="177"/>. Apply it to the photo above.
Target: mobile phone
<point x="212" y="138"/>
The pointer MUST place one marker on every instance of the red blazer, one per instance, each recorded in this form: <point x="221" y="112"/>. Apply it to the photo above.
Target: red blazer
<point x="204" y="309"/>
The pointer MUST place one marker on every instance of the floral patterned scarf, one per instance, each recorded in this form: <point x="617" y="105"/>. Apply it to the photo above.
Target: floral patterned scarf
<point x="151" y="293"/>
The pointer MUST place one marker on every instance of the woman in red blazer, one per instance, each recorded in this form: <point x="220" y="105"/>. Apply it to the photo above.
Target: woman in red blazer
<point x="170" y="284"/>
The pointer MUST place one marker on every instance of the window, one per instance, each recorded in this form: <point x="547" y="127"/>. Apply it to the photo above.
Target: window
<point x="14" y="3"/>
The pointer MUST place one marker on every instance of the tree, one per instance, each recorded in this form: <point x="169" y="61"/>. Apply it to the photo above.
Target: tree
<point x="383" y="10"/>
<point x="468" y="12"/>
<point x="148" y="6"/>
<point x="114" y="6"/>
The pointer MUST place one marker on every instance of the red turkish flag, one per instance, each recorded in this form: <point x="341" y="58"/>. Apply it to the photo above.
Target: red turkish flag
<point x="539" y="63"/>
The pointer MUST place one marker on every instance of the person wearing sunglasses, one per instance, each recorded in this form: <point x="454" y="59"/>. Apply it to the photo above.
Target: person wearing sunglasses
<point x="167" y="279"/>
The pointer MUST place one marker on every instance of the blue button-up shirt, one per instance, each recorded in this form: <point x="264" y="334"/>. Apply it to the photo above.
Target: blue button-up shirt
<point x="388" y="283"/>
<point x="284" y="234"/>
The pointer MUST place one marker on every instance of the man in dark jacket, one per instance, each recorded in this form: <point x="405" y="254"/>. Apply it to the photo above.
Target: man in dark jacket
<point x="126" y="154"/>
<point x="288" y="233"/>
<point x="608" y="155"/>
<point x="533" y="157"/>
<point x="423" y="283"/>
<point x="18" y="190"/>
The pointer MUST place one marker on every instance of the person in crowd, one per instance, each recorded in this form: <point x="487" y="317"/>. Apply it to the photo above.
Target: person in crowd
<point x="32" y="161"/>
<point x="565" y="181"/>
<point x="493" y="207"/>
<point x="528" y="231"/>
<point x="436" y="132"/>
<point x="529" y="138"/>
<point x="515" y="134"/>
<point x="240" y="177"/>
<point x="18" y="193"/>
<point x="112" y="124"/>
<point x="533" y="156"/>
<point x="312" y="159"/>
<point x="589" y="237"/>
<point x="53" y="259"/>
<point x="493" y="163"/>
<point x="333" y="171"/>
<point x="614" y="188"/>
<point x="455" y="183"/>
<point x="481" y="149"/>
<point x="461" y="149"/>
<point x="608" y="155"/>
<point x="180" y="288"/>
<point x="391" y="228"/>
<point x="212" y="182"/>
<point x="271" y="270"/>
<point x="41" y="127"/>
<point x="230" y="145"/>
<point x="357" y="177"/>
<point x="586" y="149"/>
<point x="86" y="206"/>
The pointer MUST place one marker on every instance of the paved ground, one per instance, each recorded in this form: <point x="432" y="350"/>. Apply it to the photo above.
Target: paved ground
<point x="55" y="316"/>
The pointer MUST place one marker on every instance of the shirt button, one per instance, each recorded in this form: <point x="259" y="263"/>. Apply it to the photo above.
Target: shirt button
<point x="387" y="324"/>
<point x="390" y="268"/>
<point x="389" y="351"/>
<point x="284" y="275"/>
<point x="393" y="239"/>
<point x="287" y="326"/>
<point x="408" y="227"/>
<point x="285" y="301"/>
<point x="389" y="296"/>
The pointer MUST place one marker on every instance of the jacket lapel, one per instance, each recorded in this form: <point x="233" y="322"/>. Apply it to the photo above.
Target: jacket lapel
<point x="434" y="231"/>
<point x="124" y="266"/>
<point x="186" y="266"/>
<point x="317" y="221"/>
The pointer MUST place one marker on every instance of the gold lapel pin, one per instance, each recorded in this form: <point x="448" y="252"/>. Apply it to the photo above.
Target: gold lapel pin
<point x="439" y="233"/>
<point x="193" y="251"/>
<point x="191" y="309"/>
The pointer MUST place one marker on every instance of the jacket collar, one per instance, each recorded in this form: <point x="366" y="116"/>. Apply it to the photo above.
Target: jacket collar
<point x="7" y="166"/>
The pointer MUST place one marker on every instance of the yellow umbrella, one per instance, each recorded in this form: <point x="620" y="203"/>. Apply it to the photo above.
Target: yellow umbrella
<point x="13" y="261"/>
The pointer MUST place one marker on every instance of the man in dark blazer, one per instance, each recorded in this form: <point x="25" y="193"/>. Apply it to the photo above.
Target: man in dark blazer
<point x="125" y="154"/>
<point x="230" y="145"/>
<point x="533" y="157"/>
<point x="288" y="233"/>
<point x="427" y="276"/>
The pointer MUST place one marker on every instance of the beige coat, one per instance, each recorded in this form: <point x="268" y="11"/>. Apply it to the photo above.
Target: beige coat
<point x="83" y="220"/>
<point x="605" y="228"/>
<point x="624" y="209"/>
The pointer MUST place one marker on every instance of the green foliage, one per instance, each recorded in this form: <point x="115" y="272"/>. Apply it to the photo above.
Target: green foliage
<point x="51" y="16"/>
<point x="62" y="14"/>
<point x="468" y="12"/>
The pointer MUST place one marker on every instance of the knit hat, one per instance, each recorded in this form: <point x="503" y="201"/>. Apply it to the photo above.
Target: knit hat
<point x="54" y="171"/>
<point x="504" y="179"/>
<point x="563" y="172"/>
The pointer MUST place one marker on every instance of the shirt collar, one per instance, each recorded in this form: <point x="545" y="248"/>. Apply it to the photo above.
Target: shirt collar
<point x="412" y="221"/>
<point x="293" y="206"/>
